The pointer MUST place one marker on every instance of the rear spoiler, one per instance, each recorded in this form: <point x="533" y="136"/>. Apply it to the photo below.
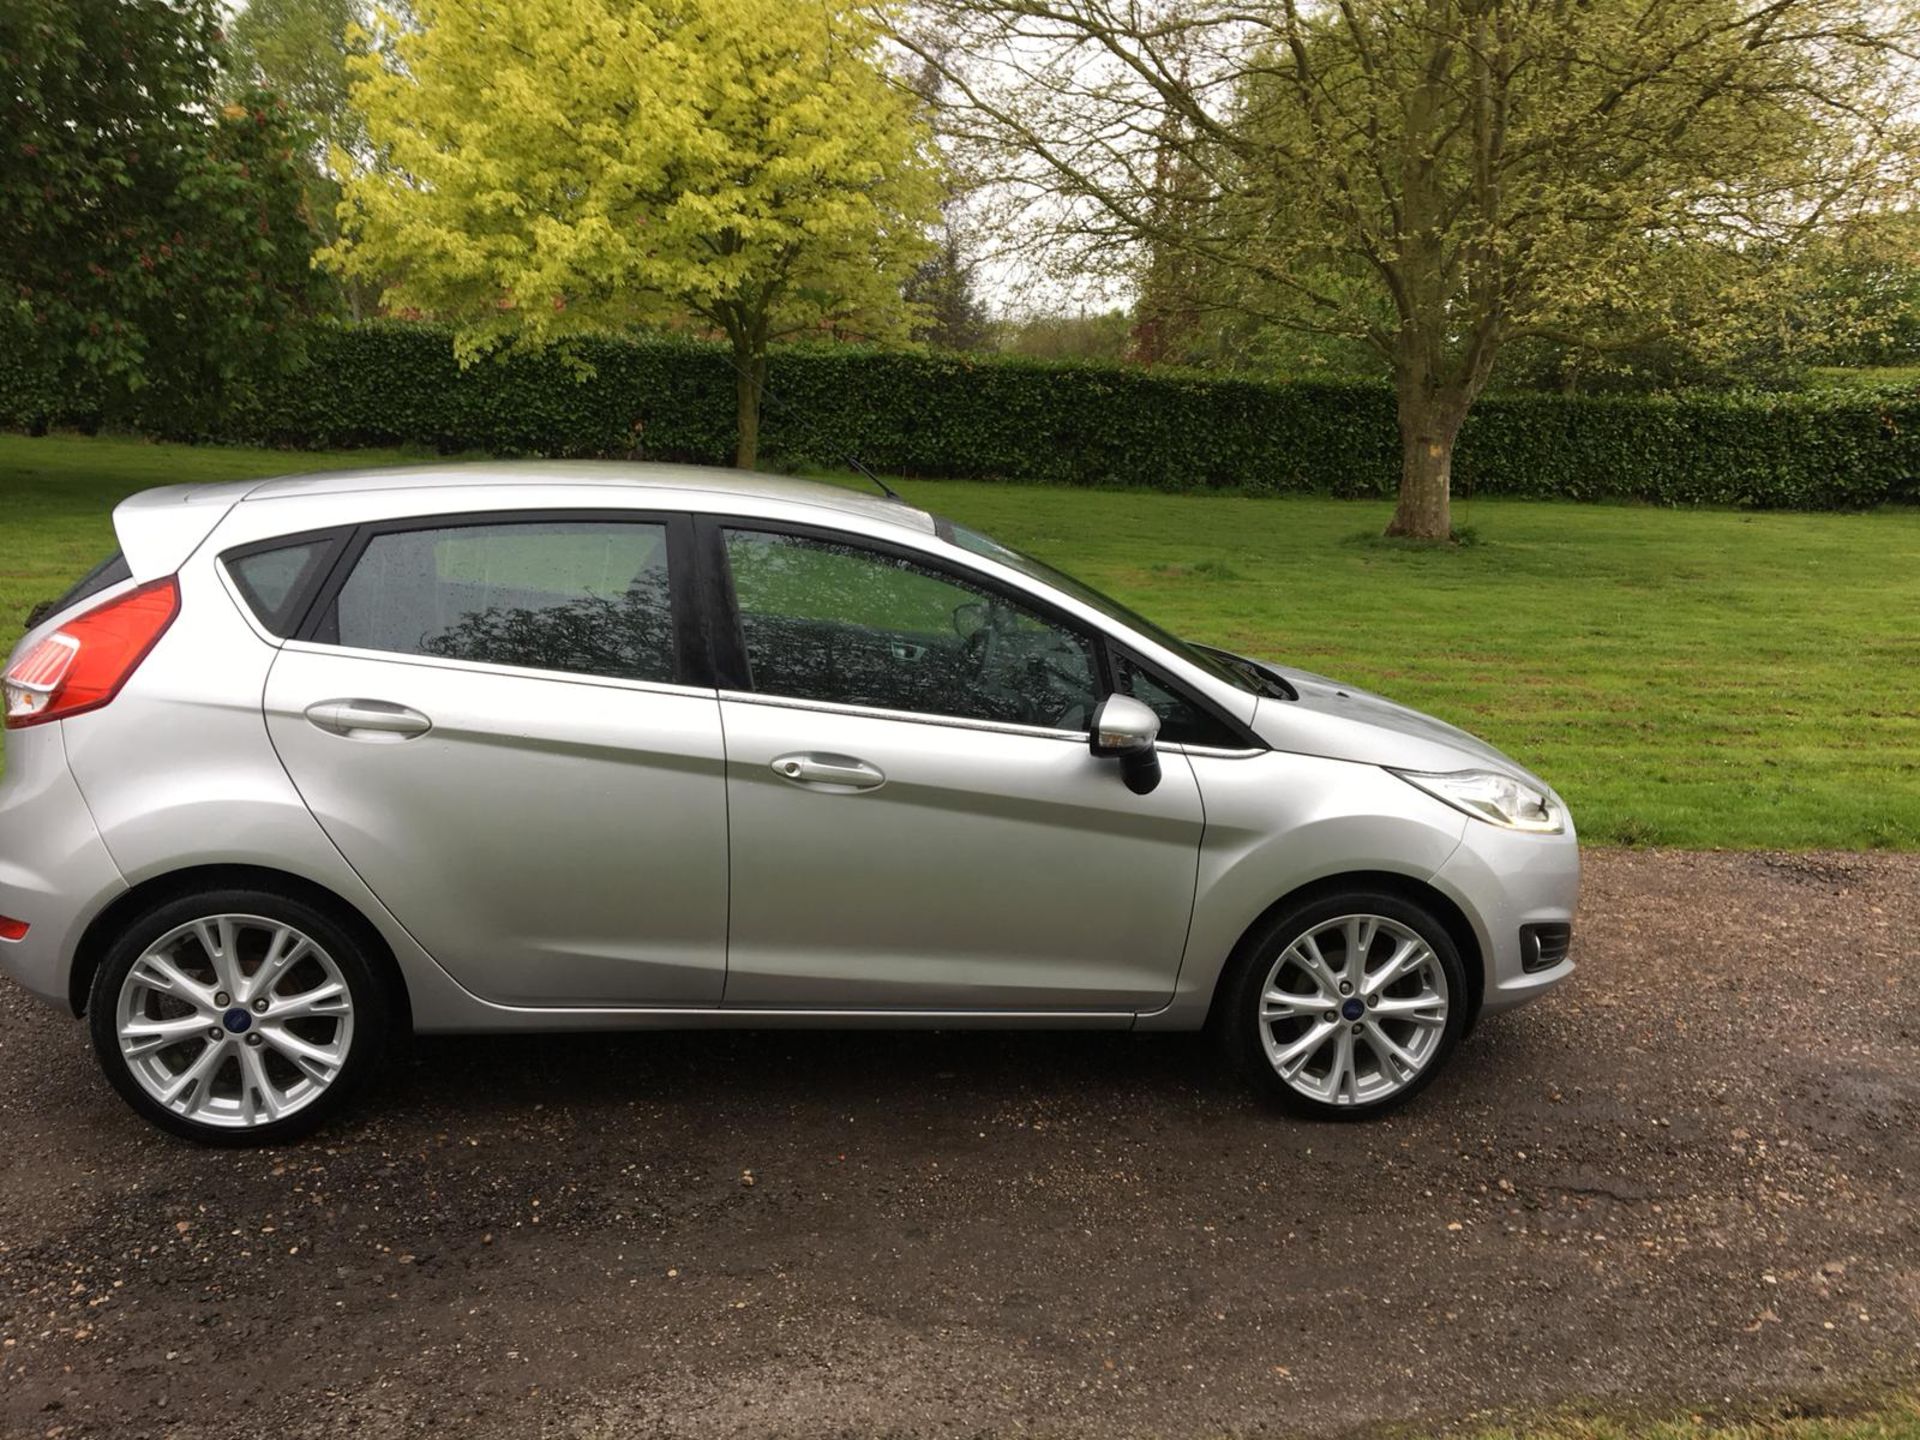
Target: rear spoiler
<point x="159" y="529"/>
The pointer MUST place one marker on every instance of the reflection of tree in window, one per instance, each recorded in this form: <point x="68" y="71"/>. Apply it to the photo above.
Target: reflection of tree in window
<point x="587" y="597"/>
<point x="630" y="638"/>
<point x="833" y="622"/>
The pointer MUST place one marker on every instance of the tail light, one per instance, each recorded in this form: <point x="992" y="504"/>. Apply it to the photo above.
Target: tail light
<point x="82" y="665"/>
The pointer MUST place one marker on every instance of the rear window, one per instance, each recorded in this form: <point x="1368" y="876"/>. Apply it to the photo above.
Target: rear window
<point x="104" y="576"/>
<point x="588" y="597"/>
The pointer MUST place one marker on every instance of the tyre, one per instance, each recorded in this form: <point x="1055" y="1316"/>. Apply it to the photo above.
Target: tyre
<point x="1345" y="1006"/>
<point x="238" y="1017"/>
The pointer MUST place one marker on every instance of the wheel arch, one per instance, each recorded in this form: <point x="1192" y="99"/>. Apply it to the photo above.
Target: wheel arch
<point x="1406" y="887"/>
<point x="126" y="907"/>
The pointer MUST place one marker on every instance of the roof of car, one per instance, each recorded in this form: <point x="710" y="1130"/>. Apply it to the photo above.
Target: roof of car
<point x="741" y="484"/>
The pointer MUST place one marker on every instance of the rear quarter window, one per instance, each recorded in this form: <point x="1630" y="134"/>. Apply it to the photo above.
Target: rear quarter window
<point x="276" y="579"/>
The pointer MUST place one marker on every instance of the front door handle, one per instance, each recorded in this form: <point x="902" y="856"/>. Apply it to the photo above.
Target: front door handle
<point x="837" y="774"/>
<point x="368" y="719"/>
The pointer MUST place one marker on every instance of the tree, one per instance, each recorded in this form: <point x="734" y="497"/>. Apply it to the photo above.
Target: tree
<point x="298" y="50"/>
<point x="1079" y="335"/>
<point x="1436" y="179"/>
<point x="146" y="235"/>
<point x="556" y="167"/>
<point x="1168" y="302"/>
<point x="1864" y="302"/>
<point x="942" y="290"/>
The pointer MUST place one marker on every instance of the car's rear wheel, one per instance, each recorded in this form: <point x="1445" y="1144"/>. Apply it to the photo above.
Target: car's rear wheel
<point x="1345" y="1006"/>
<point x="238" y="1017"/>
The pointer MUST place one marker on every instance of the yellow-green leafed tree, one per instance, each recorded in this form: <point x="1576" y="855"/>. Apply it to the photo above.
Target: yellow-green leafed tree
<point x="549" y="168"/>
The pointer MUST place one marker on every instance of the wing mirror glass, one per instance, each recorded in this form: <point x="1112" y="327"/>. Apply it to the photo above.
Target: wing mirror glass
<point x="1125" y="730"/>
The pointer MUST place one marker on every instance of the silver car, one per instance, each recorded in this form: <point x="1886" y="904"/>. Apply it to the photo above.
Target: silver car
<point x="316" y="762"/>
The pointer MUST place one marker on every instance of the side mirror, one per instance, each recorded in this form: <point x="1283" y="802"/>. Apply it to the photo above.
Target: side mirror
<point x="1125" y="729"/>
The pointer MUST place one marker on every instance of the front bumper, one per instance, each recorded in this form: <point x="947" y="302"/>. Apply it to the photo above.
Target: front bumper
<point x="55" y="872"/>
<point x="1504" y="880"/>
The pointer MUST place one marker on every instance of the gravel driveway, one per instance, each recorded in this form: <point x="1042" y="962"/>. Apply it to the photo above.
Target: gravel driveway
<point x="1693" y="1173"/>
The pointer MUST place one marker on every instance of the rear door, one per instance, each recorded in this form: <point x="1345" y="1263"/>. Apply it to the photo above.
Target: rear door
<point x="917" y="822"/>
<point x="497" y="719"/>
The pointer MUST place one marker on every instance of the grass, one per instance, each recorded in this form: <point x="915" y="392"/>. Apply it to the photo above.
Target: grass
<point x="1835" y="377"/>
<point x="1696" y="678"/>
<point x="1886" y="1419"/>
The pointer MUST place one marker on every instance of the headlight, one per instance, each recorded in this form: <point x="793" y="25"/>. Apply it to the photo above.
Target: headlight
<point x="1504" y="800"/>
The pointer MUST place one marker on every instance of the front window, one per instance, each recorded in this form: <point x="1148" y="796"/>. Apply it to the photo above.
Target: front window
<point x="1220" y="666"/>
<point x="1183" y="721"/>
<point x="834" y="622"/>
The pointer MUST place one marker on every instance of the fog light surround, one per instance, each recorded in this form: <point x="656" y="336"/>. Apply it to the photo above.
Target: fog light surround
<point x="1544" y="946"/>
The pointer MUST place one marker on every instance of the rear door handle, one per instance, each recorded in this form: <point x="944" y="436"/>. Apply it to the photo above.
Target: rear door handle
<point x="368" y="719"/>
<point x="839" y="774"/>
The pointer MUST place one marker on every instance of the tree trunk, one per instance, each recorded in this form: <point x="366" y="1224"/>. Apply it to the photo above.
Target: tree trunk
<point x="1428" y="427"/>
<point x="750" y="383"/>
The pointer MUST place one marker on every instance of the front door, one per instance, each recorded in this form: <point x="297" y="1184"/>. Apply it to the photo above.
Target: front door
<point x="487" y="719"/>
<point x="916" y="820"/>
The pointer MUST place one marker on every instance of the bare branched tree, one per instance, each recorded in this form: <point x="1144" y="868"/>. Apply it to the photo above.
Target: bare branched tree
<point x="1437" y="178"/>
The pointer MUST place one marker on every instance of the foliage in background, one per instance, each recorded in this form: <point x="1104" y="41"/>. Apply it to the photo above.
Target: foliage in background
<point x="1438" y="179"/>
<point x="298" y="50"/>
<point x="1864" y="305"/>
<point x="148" y="238"/>
<point x="1071" y="424"/>
<point x="559" y="167"/>
<point x="944" y="293"/>
<point x="1081" y="335"/>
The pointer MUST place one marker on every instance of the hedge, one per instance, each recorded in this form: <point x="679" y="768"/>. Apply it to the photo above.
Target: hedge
<point x="1047" y="422"/>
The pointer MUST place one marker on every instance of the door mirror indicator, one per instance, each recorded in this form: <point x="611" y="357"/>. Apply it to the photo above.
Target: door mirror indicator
<point x="1125" y="729"/>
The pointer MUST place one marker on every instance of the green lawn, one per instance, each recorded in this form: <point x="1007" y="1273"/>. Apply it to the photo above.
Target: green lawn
<point x="1685" y="678"/>
<point x="1864" y="376"/>
<point x="1885" y="1418"/>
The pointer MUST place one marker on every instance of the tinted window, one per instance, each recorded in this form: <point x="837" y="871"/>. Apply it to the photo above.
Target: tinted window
<point x="589" y="597"/>
<point x="1182" y="720"/>
<point x="274" y="581"/>
<point x="826" y="621"/>
<point x="1222" y="667"/>
<point x="108" y="573"/>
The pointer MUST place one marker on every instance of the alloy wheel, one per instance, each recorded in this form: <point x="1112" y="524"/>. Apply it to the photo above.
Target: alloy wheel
<point x="235" y="1021"/>
<point x="1353" y="1010"/>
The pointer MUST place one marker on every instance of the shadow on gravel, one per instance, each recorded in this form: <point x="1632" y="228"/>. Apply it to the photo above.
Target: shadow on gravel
<point x="821" y="1070"/>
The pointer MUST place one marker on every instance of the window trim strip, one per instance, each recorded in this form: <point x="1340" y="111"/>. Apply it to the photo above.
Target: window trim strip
<point x="909" y="717"/>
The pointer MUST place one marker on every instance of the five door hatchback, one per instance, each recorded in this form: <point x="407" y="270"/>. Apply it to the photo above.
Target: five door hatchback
<point x="552" y="747"/>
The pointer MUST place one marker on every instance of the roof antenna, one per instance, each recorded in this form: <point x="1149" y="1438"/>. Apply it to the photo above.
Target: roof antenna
<point x="885" y="489"/>
<point x="851" y="459"/>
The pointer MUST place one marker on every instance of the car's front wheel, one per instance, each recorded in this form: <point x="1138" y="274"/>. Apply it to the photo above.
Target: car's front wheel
<point x="1345" y="1006"/>
<point x="238" y="1017"/>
